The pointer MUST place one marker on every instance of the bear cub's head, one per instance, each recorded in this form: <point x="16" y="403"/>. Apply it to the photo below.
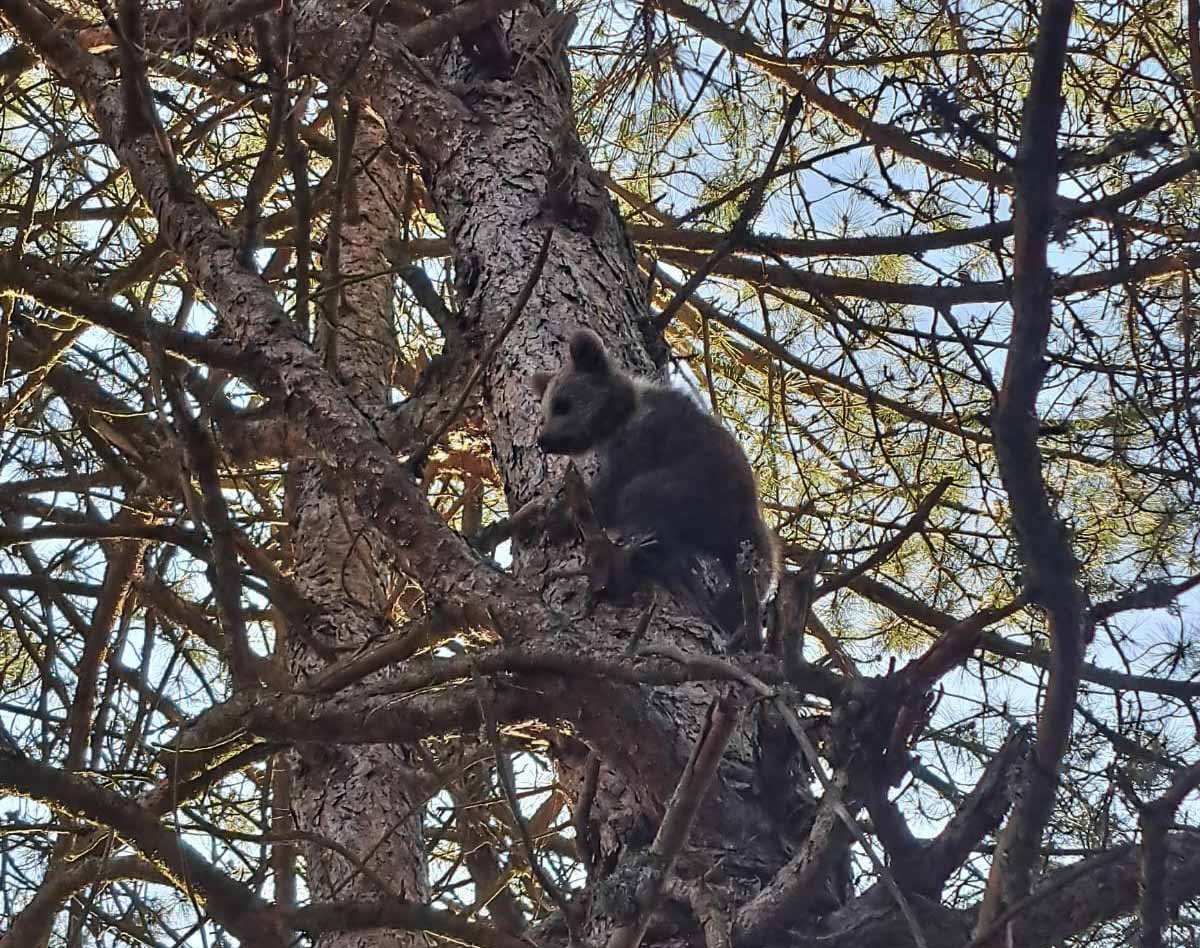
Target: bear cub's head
<point x="585" y="401"/>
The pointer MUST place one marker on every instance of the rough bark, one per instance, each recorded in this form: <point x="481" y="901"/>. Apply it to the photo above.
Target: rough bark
<point x="522" y="172"/>
<point x="366" y="798"/>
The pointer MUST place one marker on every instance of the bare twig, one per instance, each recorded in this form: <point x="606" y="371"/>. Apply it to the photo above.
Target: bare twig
<point x="418" y="458"/>
<point x="266" y="169"/>
<point x="893" y="543"/>
<point x="741" y="227"/>
<point x="227" y="580"/>
<point x="681" y="813"/>
<point x="508" y="786"/>
<point x="585" y="836"/>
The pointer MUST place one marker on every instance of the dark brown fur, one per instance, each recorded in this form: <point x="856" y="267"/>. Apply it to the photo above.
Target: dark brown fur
<point x="667" y="469"/>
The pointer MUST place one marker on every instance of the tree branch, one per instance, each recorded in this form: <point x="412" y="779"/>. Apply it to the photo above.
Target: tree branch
<point x="719" y="726"/>
<point x="1050" y="567"/>
<point x="232" y="904"/>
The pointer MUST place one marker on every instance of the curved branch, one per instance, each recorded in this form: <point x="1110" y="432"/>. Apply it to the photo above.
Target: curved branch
<point x="1051" y="571"/>
<point x="232" y="904"/>
<point x="32" y="925"/>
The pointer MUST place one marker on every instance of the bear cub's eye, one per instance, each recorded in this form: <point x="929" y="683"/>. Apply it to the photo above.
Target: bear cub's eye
<point x="560" y="406"/>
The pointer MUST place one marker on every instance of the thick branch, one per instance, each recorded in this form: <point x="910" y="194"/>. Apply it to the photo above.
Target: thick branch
<point x="786" y="898"/>
<point x="681" y="813"/>
<point x="978" y="815"/>
<point x="1074" y="899"/>
<point x="1155" y="820"/>
<point x="393" y="913"/>
<point x="1050" y="568"/>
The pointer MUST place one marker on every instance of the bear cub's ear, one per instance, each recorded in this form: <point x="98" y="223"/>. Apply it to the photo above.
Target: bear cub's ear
<point x="541" y="381"/>
<point x="587" y="352"/>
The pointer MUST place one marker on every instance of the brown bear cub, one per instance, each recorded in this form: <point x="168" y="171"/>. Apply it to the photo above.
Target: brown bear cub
<point x="668" y="471"/>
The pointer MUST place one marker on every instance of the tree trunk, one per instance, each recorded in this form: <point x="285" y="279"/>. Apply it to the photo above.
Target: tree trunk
<point x="366" y="797"/>
<point x="526" y="172"/>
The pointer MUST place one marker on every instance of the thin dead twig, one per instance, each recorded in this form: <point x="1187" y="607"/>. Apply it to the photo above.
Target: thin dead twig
<point x="719" y="725"/>
<point x="417" y="460"/>
<point x="508" y="784"/>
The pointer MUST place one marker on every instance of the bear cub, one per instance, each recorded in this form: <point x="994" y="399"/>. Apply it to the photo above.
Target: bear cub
<point x="667" y="470"/>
